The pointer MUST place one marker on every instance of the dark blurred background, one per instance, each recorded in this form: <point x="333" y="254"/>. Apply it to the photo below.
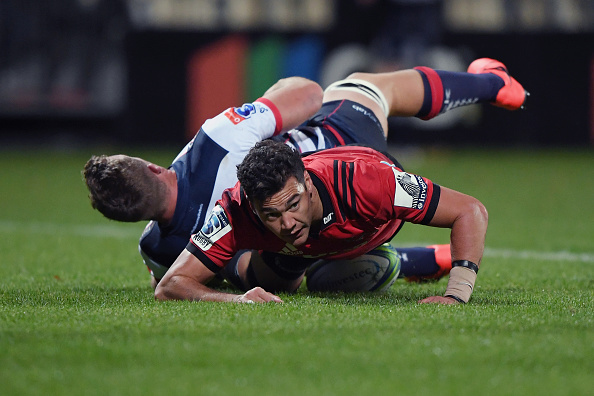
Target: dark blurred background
<point x="149" y="72"/>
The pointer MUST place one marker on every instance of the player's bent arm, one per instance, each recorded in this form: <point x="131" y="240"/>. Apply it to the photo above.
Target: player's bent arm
<point x="468" y="219"/>
<point x="187" y="278"/>
<point x="296" y="98"/>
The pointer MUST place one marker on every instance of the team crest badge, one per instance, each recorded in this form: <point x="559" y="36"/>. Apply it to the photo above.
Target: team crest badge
<point x="239" y="114"/>
<point x="411" y="190"/>
<point x="214" y="229"/>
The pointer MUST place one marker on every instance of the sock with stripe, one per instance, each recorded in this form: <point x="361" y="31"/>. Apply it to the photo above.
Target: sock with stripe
<point x="445" y="90"/>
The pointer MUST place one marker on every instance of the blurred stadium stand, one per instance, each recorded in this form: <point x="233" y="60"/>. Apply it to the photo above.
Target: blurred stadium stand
<point x="151" y="71"/>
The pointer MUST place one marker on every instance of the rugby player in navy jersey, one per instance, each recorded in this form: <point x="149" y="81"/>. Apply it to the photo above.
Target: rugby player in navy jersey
<point x="178" y="199"/>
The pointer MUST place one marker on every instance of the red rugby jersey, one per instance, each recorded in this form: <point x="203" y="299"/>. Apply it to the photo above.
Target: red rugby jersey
<point x="366" y="198"/>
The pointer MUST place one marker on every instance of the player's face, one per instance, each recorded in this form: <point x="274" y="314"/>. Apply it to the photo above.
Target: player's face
<point x="289" y="212"/>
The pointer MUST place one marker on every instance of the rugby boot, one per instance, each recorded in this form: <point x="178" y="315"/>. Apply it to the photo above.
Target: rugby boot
<point x="512" y="95"/>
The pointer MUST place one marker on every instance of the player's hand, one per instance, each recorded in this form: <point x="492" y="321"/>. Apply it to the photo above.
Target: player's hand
<point x="258" y="295"/>
<point x="438" y="300"/>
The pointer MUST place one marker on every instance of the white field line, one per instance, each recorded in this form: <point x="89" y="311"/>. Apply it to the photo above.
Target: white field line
<point x="542" y="256"/>
<point x="118" y="230"/>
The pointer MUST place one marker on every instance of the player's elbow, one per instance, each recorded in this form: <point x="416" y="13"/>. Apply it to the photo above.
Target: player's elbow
<point x="160" y="294"/>
<point x="478" y="212"/>
<point x="164" y="290"/>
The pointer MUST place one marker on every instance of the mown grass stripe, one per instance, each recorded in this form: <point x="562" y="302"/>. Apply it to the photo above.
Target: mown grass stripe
<point x="118" y="230"/>
<point x="87" y="230"/>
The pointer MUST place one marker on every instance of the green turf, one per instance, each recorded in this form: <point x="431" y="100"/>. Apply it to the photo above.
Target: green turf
<point x="77" y="315"/>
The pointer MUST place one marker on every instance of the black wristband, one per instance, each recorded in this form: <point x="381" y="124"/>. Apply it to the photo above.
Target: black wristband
<point x="466" y="264"/>
<point x="456" y="298"/>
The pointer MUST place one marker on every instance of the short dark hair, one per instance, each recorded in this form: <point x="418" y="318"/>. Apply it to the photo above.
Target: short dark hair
<point x="122" y="188"/>
<point x="266" y="168"/>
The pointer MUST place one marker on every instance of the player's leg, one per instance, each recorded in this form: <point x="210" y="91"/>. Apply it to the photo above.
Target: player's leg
<point x="419" y="264"/>
<point x="425" y="93"/>
<point x="378" y="92"/>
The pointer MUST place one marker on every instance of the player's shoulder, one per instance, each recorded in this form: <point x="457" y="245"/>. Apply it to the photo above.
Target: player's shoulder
<point x="234" y="201"/>
<point x="150" y="231"/>
<point x="350" y="150"/>
<point x="348" y="154"/>
<point x="238" y="211"/>
<point x="149" y="242"/>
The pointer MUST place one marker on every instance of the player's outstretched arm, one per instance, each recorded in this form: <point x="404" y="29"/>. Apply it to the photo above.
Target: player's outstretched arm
<point x="296" y="98"/>
<point x="467" y="217"/>
<point x="187" y="278"/>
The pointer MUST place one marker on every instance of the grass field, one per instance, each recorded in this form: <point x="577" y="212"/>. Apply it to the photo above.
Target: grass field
<point x="77" y="314"/>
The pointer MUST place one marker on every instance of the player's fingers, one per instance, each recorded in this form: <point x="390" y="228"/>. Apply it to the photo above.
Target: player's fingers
<point x="438" y="300"/>
<point x="426" y="300"/>
<point x="257" y="294"/>
<point x="267" y="296"/>
<point x="254" y="295"/>
<point x="274" y="298"/>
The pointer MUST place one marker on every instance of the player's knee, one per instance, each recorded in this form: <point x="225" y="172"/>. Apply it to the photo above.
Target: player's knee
<point x="359" y="76"/>
<point x="313" y="96"/>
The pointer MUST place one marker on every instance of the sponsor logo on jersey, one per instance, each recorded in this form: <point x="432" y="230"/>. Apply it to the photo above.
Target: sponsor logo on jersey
<point x="360" y="109"/>
<point x="328" y="218"/>
<point x="214" y="229"/>
<point x="239" y="114"/>
<point x="410" y="191"/>
<point x="365" y="112"/>
<point x="290" y="250"/>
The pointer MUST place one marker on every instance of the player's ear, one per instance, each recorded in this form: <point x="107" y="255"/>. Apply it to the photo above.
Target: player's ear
<point x="251" y="205"/>
<point x="156" y="169"/>
<point x="308" y="182"/>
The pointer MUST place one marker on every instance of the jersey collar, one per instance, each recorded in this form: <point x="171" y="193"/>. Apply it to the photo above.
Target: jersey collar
<point x="327" y="206"/>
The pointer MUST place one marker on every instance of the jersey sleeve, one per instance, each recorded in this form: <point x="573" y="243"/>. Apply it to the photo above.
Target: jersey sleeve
<point x="415" y="198"/>
<point x="214" y="244"/>
<point x="237" y="129"/>
<point x="399" y="194"/>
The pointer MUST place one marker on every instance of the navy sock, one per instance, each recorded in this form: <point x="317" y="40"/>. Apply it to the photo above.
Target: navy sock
<point x="445" y="90"/>
<point x="417" y="261"/>
<point x="467" y="88"/>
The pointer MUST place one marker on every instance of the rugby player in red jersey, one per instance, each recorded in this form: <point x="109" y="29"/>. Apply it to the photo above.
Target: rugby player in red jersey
<point x="334" y="204"/>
